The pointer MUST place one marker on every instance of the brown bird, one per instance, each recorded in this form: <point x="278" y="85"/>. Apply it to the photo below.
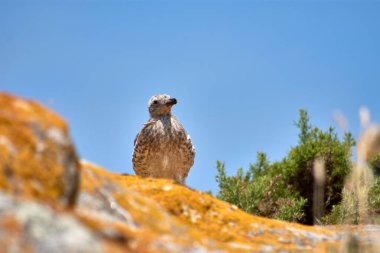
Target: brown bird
<point x="163" y="149"/>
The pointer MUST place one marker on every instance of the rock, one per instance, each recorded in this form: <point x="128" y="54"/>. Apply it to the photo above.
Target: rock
<point x="37" y="159"/>
<point x="122" y="215"/>
<point x="157" y="215"/>
<point x="33" y="227"/>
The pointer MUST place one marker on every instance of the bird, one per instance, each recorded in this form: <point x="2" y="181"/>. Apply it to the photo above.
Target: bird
<point x="162" y="148"/>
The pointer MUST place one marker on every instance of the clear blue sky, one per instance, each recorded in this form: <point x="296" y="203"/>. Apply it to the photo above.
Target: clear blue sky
<point x="241" y="70"/>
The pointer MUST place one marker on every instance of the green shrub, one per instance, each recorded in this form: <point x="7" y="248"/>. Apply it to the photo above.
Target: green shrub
<point x="374" y="164"/>
<point x="374" y="201"/>
<point x="349" y="211"/>
<point x="284" y="190"/>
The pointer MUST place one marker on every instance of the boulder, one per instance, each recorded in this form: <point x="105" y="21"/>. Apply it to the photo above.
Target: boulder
<point x="27" y="226"/>
<point x="37" y="158"/>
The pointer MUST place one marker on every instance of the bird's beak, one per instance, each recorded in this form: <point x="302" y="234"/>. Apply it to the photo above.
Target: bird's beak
<point x="171" y="101"/>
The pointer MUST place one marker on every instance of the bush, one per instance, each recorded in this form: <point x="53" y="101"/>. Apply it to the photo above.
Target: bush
<point x="374" y="164"/>
<point x="284" y="190"/>
<point x="361" y="197"/>
<point x="374" y="201"/>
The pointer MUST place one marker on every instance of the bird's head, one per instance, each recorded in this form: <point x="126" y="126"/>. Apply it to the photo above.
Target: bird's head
<point x="161" y="105"/>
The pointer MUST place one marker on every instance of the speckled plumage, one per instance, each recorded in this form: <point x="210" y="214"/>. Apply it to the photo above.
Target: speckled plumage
<point x="163" y="149"/>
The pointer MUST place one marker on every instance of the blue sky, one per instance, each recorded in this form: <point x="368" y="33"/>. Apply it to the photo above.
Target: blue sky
<point x="241" y="70"/>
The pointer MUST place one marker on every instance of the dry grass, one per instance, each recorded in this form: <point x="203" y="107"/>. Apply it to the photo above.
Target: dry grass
<point x="355" y="206"/>
<point x="355" y="195"/>
<point x="319" y="174"/>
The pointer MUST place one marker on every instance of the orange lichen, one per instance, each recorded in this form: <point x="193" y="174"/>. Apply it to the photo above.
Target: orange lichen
<point x="12" y="236"/>
<point x="35" y="151"/>
<point x="144" y="223"/>
<point x="203" y="216"/>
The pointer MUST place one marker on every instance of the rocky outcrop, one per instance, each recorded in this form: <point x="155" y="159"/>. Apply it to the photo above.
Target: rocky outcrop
<point x="108" y="212"/>
<point x="27" y="226"/>
<point x="37" y="159"/>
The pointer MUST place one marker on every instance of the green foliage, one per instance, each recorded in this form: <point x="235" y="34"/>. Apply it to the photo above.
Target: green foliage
<point x="284" y="190"/>
<point x="336" y="216"/>
<point x="348" y="211"/>
<point x="345" y="212"/>
<point x="374" y="164"/>
<point x="374" y="199"/>
<point x="257" y="191"/>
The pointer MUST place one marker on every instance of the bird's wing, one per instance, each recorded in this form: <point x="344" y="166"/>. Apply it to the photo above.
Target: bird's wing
<point x="190" y="155"/>
<point x="137" y="136"/>
<point x="190" y="145"/>
<point x="149" y="123"/>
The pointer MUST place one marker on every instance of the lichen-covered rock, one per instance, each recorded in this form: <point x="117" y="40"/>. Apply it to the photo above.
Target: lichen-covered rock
<point x="122" y="215"/>
<point x="26" y="226"/>
<point x="157" y="215"/>
<point x="37" y="159"/>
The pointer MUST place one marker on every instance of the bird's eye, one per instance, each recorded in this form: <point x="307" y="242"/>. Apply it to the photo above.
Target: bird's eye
<point x="155" y="102"/>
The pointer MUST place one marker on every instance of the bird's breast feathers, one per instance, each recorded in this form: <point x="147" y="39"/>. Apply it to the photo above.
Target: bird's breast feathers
<point x="166" y="128"/>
